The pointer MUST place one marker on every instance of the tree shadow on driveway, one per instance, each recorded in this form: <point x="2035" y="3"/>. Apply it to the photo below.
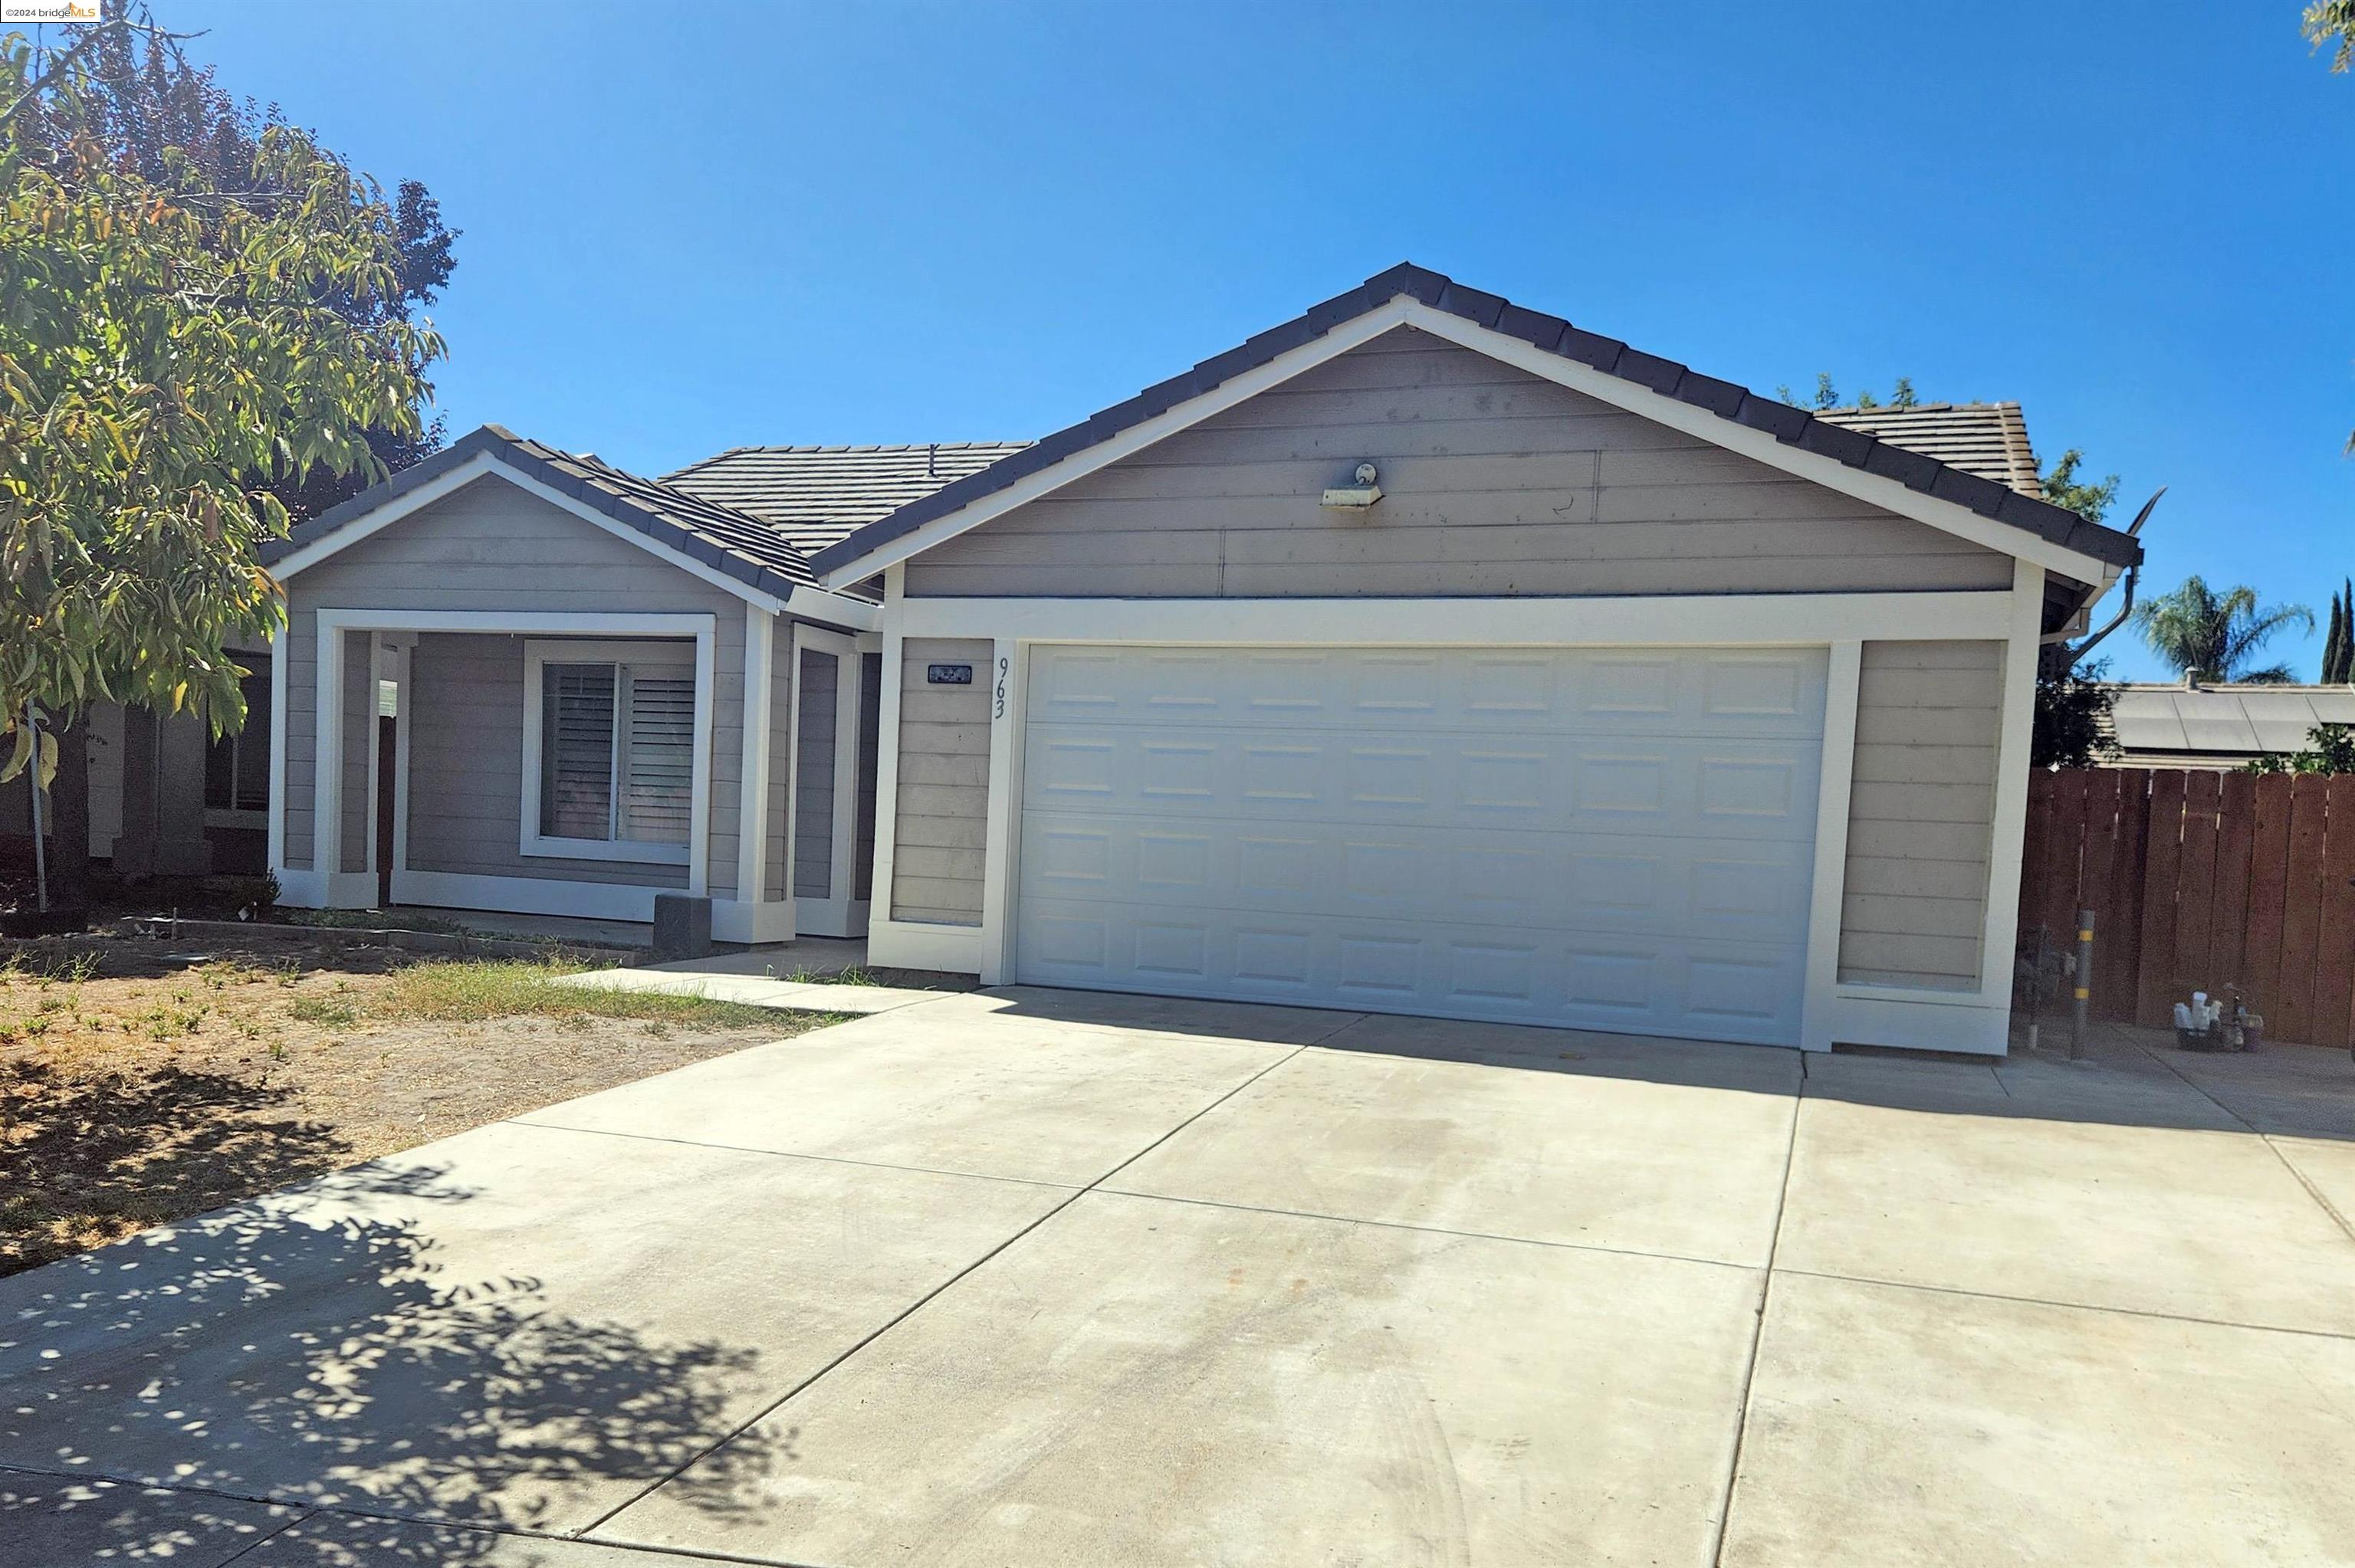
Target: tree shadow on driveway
<point x="311" y="1348"/>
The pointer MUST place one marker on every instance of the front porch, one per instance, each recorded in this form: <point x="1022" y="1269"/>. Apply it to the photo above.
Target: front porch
<point x="572" y="765"/>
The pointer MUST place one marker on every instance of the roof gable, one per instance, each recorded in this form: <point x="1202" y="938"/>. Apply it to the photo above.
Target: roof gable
<point x="729" y="544"/>
<point x="1948" y="497"/>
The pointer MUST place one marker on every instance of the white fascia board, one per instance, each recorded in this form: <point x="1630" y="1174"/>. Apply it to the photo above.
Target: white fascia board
<point x="810" y="603"/>
<point x="1683" y="620"/>
<point x="1873" y="489"/>
<point x="842" y="611"/>
<point x="1876" y="490"/>
<point x="1349" y="334"/>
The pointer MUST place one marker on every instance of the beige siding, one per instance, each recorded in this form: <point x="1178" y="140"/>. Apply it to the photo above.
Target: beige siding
<point x="1495" y="481"/>
<point x="821" y="676"/>
<point x="492" y="546"/>
<point x="784" y="692"/>
<point x="940" y="824"/>
<point x="466" y="769"/>
<point x="300" y="645"/>
<point x="1921" y="810"/>
<point x="359" y="740"/>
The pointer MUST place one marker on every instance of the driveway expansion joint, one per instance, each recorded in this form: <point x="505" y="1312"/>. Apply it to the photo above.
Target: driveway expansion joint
<point x="933" y="1295"/>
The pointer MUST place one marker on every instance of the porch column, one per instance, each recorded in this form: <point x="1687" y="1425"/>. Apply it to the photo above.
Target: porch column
<point x="756" y="918"/>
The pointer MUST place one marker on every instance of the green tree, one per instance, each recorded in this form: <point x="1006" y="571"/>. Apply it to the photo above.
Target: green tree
<point x="2339" y="642"/>
<point x="2070" y="727"/>
<point x="2217" y="636"/>
<point x="173" y="349"/>
<point x="172" y="124"/>
<point x="2330" y="24"/>
<point x="2091" y="502"/>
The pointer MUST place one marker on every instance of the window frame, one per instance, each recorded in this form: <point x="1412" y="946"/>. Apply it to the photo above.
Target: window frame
<point x="665" y="653"/>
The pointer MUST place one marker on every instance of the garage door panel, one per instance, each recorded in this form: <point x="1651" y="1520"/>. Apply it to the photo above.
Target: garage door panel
<point x="1755" y="787"/>
<point x="1661" y="985"/>
<point x="1618" y="839"/>
<point x="1765" y="693"/>
<point x="1733" y="889"/>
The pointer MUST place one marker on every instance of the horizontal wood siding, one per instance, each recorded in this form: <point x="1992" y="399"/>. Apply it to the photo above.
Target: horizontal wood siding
<point x="492" y="546"/>
<point x="943" y="810"/>
<point x="784" y="692"/>
<point x="1495" y="482"/>
<point x="814" y="805"/>
<point x="870" y="742"/>
<point x="299" y="646"/>
<point x="359" y="745"/>
<point x="466" y="769"/>
<point x="1920" y="814"/>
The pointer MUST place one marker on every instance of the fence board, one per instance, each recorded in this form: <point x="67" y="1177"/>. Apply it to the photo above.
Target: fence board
<point x="2096" y="880"/>
<point x="2301" y="908"/>
<point x="2334" y="977"/>
<point x="2268" y="886"/>
<point x="2067" y="829"/>
<point x="2036" y="849"/>
<point x="2162" y="859"/>
<point x="2118" y="961"/>
<point x="2195" y="887"/>
<point x="2229" y="923"/>
<point x="2199" y="881"/>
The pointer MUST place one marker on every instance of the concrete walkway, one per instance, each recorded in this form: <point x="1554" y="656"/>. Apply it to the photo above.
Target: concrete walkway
<point x="1037" y="1277"/>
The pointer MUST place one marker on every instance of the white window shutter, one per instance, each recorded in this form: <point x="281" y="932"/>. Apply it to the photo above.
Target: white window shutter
<point x="658" y="757"/>
<point x="576" y="791"/>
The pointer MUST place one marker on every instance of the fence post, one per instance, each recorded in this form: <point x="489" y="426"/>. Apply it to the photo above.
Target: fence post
<point x="2085" y="988"/>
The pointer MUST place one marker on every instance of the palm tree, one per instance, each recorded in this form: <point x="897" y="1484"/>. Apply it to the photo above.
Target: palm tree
<point x="2214" y="636"/>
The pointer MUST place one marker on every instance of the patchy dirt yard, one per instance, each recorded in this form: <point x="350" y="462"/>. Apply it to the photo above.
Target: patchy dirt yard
<point x="144" y="1080"/>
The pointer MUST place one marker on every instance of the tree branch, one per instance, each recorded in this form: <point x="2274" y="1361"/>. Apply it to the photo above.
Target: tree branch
<point x="61" y="64"/>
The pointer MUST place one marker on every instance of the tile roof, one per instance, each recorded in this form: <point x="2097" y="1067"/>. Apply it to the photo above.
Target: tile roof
<point x="2223" y="725"/>
<point x="1991" y="498"/>
<point x="815" y="495"/>
<point x="1989" y="439"/>
<point x="733" y="542"/>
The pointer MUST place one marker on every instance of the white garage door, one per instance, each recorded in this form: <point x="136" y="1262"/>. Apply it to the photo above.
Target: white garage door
<point x="1610" y="839"/>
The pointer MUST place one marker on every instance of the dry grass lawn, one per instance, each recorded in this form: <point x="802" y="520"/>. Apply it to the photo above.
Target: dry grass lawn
<point x="143" y="1081"/>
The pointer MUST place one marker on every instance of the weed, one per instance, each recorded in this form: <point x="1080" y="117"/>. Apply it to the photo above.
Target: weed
<point x="323" y="1011"/>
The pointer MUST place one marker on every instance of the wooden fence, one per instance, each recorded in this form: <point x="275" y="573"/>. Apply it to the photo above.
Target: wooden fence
<point x="2197" y="880"/>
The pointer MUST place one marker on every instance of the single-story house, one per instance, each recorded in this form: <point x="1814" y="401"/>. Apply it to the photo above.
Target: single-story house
<point x="1424" y="654"/>
<point x="2184" y="724"/>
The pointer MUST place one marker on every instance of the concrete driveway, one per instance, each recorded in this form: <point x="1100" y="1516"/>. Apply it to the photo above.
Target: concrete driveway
<point x="1029" y="1276"/>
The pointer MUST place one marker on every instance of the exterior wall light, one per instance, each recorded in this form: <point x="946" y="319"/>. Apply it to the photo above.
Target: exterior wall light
<point x="1363" y="493"/>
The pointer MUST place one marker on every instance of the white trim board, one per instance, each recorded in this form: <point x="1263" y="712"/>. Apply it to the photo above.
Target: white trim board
<point x="1681" y="620"/>
<point x="1875" y="490"/>
<point x="828" y="608"/>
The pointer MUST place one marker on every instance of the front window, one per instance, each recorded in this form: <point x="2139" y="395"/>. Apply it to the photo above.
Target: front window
<point x="616" y="750"/>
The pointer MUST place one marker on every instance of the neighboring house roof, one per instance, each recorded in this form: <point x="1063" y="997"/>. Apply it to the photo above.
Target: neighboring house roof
<point x="732" y="542"/>
<point x="1996" y="500"/>
<point x="815" y="495"/>
<point x="1989" y="439"/>
<point x="2179" y="725"/>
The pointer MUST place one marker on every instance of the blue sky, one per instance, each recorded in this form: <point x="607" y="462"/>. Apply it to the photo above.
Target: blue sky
<point x="696" y="226"/>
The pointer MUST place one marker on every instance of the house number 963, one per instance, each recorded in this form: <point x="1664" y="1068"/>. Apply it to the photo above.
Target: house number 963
<point x="1000" y="712"/>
